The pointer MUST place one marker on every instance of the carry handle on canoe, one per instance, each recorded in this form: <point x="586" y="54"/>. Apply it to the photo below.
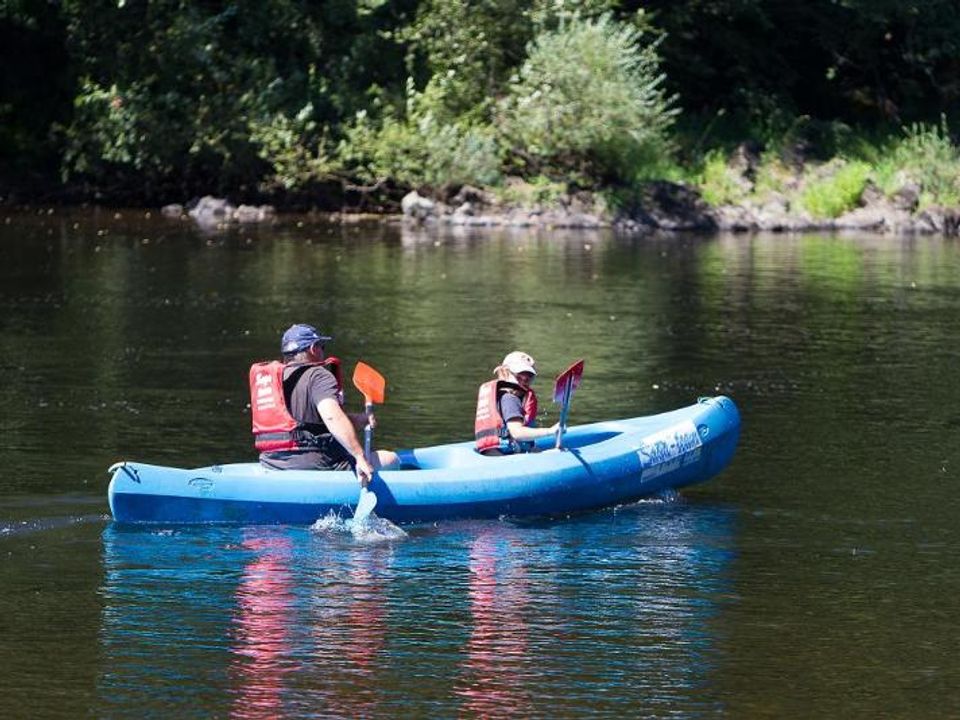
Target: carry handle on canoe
<point x="567" y="382"/>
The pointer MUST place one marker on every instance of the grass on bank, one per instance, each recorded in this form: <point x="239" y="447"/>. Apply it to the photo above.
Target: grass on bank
<point x="927" y="156"/>
<point x="823" y="172"/>
<point x="840" y="192"/>
<point x="923" y="155"/>
<point x="824" y="186"/>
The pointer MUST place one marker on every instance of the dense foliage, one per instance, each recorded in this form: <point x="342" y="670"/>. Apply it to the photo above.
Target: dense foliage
<point x="588" y="100"/>
<point x="156" y="99"/>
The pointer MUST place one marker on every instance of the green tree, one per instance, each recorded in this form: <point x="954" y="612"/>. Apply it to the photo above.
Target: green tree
<point x="465" y="51"/>
<point x="589" y="99"/>
<point x="36" y="86"/>
<point x="869" y="61"/>
<point x="174" y="90"/>
<point x="417" y="148"/>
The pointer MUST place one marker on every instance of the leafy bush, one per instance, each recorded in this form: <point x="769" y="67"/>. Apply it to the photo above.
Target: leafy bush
<point x="291" y="148"/>
<point x="110" y="129"/>
<point x="588" y="99"/>
<point x="536" y="191"/>
<point x="718" y="183"/>
<point x="773" y="175"/>
<point x="209" y="97"/>
<point x="832" y="196"/>
<point x="925" y="155"/>
<point x="469" y="57"/>
<point x="419" y="149"/>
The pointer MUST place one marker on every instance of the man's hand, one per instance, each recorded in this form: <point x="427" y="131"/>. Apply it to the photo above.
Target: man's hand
<point x="364" y="471"/>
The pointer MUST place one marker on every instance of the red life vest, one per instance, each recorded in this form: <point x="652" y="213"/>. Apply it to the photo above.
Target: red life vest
<point x="274" y="428"/>
<point x="489" y="428"/>
<point x="530" y="408"/>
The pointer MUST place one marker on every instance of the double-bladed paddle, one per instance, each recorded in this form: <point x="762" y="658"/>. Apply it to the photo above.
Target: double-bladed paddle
<point x="563" y="388"/>
<point x="373" y="386"/>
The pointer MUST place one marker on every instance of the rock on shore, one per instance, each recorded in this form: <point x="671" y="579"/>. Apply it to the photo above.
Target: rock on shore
<point x="876" y="213"/>
<point x="210" y="212"/>
<point x="474" y="207"/>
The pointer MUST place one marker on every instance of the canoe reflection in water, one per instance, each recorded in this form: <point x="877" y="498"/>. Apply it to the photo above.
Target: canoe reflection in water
<point x="615" y="612"/>
<point x="496" y="663"/>
<point x="261" y="626"/>
<point x="328" y="630"/>
<point x="347" y="609"/>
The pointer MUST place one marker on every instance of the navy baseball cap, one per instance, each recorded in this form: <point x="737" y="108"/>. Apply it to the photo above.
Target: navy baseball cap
<point x="300" y="337"/>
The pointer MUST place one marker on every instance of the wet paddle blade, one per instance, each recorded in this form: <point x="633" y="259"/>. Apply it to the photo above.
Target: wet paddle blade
<point x="365" y="505"/>
<point x="567" y="382"/>
<point x="369" y="382"/>
<point x="373" y="387"/>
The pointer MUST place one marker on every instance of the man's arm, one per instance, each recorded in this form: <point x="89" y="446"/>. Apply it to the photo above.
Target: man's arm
<point x="342" y="428"/>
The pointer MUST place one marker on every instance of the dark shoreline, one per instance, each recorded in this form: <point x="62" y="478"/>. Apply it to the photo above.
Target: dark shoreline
<point x="661" y="207"/>
<point x="670" y="207"/>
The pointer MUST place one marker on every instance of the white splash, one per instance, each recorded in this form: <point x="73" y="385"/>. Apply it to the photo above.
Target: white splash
<point x="372" y="529"/>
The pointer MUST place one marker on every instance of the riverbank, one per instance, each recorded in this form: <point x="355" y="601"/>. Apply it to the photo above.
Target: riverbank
<point x="660" y="207"/>
<point x="909" y="185"/>
<point x="742" y="191"/>
<point x="676" y="207"/>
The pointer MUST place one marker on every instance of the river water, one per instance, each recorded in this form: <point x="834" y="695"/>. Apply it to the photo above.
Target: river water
<point x="817" y="577"/>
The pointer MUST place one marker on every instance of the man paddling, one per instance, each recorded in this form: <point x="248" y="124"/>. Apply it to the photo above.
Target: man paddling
<point x="298" y="418"/>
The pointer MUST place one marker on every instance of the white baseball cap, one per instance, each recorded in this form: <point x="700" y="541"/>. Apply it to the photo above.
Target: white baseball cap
<point x="518" y="362"/>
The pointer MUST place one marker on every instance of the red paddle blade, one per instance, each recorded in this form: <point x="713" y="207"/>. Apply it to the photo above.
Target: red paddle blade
<point x="568" y="378"/>
<point x="369" y="382"/>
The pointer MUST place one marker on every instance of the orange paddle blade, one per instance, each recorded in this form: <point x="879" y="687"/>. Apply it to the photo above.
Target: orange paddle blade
<point x="369" y="382"/>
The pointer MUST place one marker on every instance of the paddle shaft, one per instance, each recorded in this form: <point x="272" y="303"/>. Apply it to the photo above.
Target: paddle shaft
<point x="368" y="431"/>
<point x="567" y="382"/>
<point x="368" y="499"/>
<point x="371" y="384"/>
<point x="564" y="410"/>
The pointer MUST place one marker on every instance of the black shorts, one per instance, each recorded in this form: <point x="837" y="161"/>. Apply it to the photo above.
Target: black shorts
<point x="327" y="455"/>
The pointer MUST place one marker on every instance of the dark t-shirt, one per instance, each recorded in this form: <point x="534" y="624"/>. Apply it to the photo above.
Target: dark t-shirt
<point x="511" y="407"/>
<point x="316" y="384"/>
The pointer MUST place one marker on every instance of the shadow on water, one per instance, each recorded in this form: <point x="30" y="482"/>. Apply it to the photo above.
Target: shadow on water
<point x="39" y="525"/>
<point x="32" y="514"/>
<point x="492" y="619"/>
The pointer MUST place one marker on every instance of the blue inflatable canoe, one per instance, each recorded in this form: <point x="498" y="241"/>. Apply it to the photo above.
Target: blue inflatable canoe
<point x="601" y="464"/>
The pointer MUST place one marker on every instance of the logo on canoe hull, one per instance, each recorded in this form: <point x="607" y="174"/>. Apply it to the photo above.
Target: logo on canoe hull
<point x="669" y="450"/>
<point x="202" y="484"/>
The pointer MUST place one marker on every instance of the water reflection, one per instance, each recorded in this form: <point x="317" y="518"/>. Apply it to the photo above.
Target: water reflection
<point x="365" y="616"/>
<point x="616" y="612"/>
<point x="167" y="623"/>
<point x="495" y="670"/>
<point x="261" y="626"/>
<point x="347" y="611"/>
